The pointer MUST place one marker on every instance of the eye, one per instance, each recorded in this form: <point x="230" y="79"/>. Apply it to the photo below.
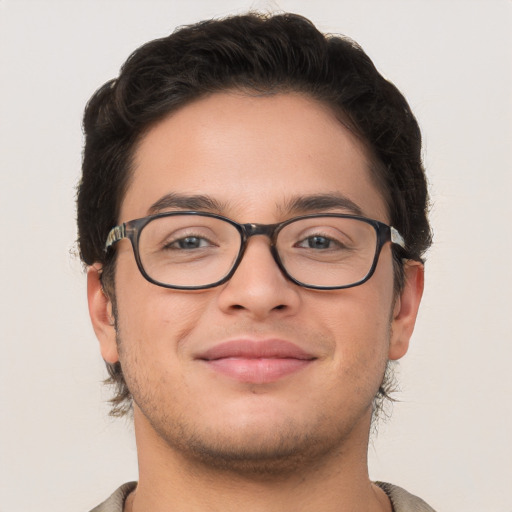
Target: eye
<point x="188" y="243"/>
<point x="318" y="242"/>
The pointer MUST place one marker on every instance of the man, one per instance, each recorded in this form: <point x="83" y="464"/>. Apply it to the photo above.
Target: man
<point x="252" y="212"/>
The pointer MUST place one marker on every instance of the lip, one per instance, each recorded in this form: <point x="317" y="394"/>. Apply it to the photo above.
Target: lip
<point x="256" y="361"/>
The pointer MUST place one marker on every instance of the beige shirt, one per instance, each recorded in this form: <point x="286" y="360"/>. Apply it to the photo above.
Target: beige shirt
<point x="401" y="500"/>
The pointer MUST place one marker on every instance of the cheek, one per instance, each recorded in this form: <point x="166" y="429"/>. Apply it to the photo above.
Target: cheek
<point x="155" y="320"/>
<point x="358" y="321"/>
<point x="152" y="333"/>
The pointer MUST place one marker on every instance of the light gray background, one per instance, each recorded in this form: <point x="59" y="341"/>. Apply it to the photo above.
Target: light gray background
<point x="449" y="439"/>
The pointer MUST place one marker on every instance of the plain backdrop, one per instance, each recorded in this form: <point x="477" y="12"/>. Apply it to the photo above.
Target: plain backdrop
<point x="449" y="438"/>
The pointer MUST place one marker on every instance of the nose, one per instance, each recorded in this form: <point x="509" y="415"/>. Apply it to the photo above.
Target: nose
<point x="258" y="288"/>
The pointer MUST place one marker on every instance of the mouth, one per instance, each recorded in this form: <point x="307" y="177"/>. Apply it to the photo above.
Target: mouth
<point x="256" y="362"/>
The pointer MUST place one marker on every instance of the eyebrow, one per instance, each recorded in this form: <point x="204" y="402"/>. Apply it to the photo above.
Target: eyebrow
<point x="320" y="202"/>
<point x="293" y="206"/>
<point x="186" y="202"/>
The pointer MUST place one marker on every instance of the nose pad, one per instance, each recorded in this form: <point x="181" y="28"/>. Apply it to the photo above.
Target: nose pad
<point x="258" y="285"/>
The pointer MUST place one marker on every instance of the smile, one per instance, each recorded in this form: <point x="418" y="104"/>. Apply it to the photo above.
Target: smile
<point x="256" y="362"/>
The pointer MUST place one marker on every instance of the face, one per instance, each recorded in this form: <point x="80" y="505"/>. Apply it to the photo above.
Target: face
<point x="257" y="368"/>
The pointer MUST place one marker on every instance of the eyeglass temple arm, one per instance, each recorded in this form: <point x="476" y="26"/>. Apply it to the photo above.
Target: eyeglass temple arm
<point x="115" y="235"/>
<point x="397" y="238"/>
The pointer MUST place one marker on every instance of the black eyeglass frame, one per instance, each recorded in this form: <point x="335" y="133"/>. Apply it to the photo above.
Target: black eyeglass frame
<point x="133" y="228"/>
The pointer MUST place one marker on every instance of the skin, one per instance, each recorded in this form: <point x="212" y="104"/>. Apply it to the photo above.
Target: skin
<point x="210" y="442"/>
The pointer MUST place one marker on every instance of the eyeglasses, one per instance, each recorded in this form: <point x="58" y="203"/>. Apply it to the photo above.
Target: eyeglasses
<point x="190" y="250"/>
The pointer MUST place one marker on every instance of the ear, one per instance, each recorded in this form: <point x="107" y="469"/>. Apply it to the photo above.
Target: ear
<point x="102" y="318"/>
<point x="406" y="309"/>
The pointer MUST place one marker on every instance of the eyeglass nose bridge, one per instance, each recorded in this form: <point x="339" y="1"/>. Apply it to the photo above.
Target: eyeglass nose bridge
<point x="268" y="230"/>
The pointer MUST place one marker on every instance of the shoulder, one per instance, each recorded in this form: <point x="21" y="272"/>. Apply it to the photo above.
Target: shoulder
<point x="116" y="502"/>
<point x="402" y="500"/>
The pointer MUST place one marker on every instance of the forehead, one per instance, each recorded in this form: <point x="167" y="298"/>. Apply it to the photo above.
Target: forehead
<point x="252" y="155"/>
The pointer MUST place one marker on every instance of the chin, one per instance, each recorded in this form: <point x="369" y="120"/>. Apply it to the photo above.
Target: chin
<point x="262" y="447"/>
<point x="254" y="452"/>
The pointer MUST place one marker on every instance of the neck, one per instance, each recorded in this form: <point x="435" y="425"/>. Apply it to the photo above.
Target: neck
<point x="170" y="479"/>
